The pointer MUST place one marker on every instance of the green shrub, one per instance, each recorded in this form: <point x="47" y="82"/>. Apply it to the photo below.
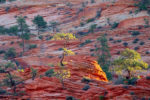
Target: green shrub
<point x="13" y="30"/>
<point x="132" y="93"/>
<point x="143" y="5"/>
<point x="2" y="51"/>
<point x="85" y="80"/>
<point x="132" y="81"/>
<point x="146" y="23"/>
<point x="92" y="50"/>
<point x="92" y="27"/>
<point x="148" y="77"/>
<point x="135" y="33"/>
<point x="98" y="13"/>
<point x="110" y="39"/>
<point x="90" y="20"/>
<point x="70" y="98"/>
<point x="60" y="49"/>
<point x="125" y="44"/>
<point x="86" y="42"/>
<point x="2" y="1"/>
<point x="40" y="37"/>
<point x="2" y="30"/>
<point x="32" y="46"/>
<point x="49" y="73"/>
<point x="119" y="41"/>
<point x="92" y="54"/>
<point x="101" y="97"/>
<point x="130" y="12"/>
<point x="142" y="43"/>
<point x="12" y="0"/>
<point x="2" y="91"/>
<point x="49" y="38"/>
<point x="7" y="9"/>
<point x="135" y="40"/>
<point x="136" y="48"/>
<point x="118" y="52"/>
<point x="81" y="24"/>
<point x="92" y="1"/>
<point x="114" y="25"/>
<point x="86" y="87"/>
<point x="11" y="53"/>
<point x="147" y="52"/>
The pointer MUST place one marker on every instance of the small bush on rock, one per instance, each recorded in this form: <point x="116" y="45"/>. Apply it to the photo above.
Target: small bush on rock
<point x="11" y="53"/>
<point x="49" y="73"/>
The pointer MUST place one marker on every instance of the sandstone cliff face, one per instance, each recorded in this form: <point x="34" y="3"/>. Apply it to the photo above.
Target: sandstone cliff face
<point x="82" y="64"/>
<point x="50" y="88"/>
<point x="70" y="18"/>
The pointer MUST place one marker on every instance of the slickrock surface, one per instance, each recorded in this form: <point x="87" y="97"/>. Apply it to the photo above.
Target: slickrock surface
<point x="82" y="64"/>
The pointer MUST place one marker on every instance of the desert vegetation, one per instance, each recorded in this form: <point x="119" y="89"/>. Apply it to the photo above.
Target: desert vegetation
<point x="74" y="50"/>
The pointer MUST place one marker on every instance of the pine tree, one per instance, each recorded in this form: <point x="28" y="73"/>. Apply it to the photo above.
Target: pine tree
<point x="9" y="79"/>
<point x="53" y="25"/>
<point x="24" y="32"/>
<point x="40" y="23"/>
<point x="103" y="54"/>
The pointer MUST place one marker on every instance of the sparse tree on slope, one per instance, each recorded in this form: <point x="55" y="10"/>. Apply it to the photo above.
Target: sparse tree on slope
<point x="129" y="61"/>
<point x="53" y="25"/>
<point x="64" y="73"/>
<point x="24" y="32"/>
<point x="102" y="51"/>
<point x="66" y="37"/>
<point x="10" y="80"/>
<point x="40" y="23"/>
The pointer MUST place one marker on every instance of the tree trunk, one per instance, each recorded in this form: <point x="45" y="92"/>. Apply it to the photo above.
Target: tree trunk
<point x="61" y="61"/>
<point x="38" y="31"/>
<point x="129" y="75"/>
<point x="23" y="47"/>
<point x="33" y="76"/>
<point x="12" y="82"/>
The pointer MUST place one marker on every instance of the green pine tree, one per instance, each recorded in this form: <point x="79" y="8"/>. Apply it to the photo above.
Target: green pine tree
<point x="24" y="32"/>
<point x="40" y="23"/>
<point x="103" y="55"/>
